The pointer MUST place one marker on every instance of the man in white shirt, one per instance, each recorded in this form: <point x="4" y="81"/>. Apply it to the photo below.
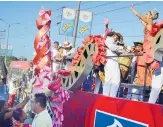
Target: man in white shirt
<point x="42" y="117"/>
<point x="112" y="70"/>
<point x="55" y="52"/>
<point x="69" y="53"/>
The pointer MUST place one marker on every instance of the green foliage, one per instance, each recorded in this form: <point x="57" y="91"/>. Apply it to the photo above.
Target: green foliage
<point x="9" y="59"/>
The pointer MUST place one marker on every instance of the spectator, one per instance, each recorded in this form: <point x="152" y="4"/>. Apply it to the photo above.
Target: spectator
<point x="20" y="116"/>
<point x="6" y="113"/>
<point x="42" y="117"/>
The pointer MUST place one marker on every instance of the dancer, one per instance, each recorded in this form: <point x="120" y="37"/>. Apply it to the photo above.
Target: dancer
<point x="112" y="70"/>
<point x="157" y="79"/>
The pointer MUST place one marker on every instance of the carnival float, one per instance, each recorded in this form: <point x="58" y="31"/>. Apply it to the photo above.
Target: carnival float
<point x="61" y="89"/>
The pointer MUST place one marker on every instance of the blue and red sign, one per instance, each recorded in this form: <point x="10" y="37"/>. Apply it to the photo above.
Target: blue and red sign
<point x="92" y="110"/>
<point x="111" y="120"/>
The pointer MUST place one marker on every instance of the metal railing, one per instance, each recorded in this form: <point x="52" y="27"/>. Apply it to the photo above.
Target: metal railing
<point x="127" y="85"/>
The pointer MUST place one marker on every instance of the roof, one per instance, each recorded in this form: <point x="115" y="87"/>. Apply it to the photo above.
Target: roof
<point x="25" y="65"/>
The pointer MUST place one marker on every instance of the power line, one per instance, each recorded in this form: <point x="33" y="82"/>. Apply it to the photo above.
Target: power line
<point x="128" y="21"/>
<point x="137" y="4"/>
<point x="101" y="5"/>
<point x="134" y="36"/>
<point x="86" y="2"/>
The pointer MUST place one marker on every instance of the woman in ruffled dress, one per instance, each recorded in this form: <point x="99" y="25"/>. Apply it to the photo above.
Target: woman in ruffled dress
<point x="150" y="30"/>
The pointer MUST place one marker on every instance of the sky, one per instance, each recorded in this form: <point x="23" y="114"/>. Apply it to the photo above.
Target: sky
<point x="22" y="36"/>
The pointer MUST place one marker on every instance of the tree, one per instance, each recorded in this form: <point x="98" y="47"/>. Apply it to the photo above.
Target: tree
<point x="9" y="59"/>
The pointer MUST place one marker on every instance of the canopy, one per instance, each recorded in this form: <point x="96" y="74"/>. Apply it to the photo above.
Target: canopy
<point x="25" y="65"/>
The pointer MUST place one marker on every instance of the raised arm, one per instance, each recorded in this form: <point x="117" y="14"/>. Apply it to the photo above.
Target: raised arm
<point x="140" y="16"/>
<point x="8" y="115"/>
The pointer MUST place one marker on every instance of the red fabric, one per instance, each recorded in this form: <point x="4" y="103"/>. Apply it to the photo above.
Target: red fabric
<point x="79" y="111"/>
<point x="156" y="27"/>
<point x="147" y="45"/>
<point x="148" y="49"/>
<point x="141" y="65"/>
<point x="64" y="72"/>
<point x="21" y="125"/>
<point x="11" y="100"/>
<point x="97" y="59"/>
<point x="56" y="84"/>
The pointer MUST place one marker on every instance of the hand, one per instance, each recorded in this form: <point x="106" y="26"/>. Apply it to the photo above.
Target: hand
<point x="106" y="21"/>
<point x="132" y="48"/>
<point x="27" y="99"/>
<point x="132" y="7"/>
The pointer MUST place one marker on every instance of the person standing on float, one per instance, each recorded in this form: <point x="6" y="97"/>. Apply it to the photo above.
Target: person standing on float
<point x="157" y="79"/>
<point x="68" y="53"/>
<point x="112" y="70"/>
<point x="55" y="62"/>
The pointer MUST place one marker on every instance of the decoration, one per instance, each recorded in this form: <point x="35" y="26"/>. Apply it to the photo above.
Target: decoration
<point x="44" y="81"/>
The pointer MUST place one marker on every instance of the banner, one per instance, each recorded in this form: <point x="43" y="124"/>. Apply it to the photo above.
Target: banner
<point x="93" y="110"/>
<point x="85" y="23"/>
<point x="2" y="34"/>
<point x="3" y="50"/>
<point x="67" y="22"/>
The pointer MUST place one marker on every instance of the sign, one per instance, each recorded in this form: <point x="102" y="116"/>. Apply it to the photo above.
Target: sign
<point x="93" y="110"/>
<point x="2" y="34"/>
<point x="84" y="24"/>
<point x="111" y="120"/>
<point x="3" y="50"/>
<point x="68" y="21"/>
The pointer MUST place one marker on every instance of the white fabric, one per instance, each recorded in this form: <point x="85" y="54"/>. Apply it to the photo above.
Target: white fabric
<point x="55" y="64"/>
<point x="97" y="84"/>
<point x="42" y="119"/>
<point x="112" y="70"/>
<point x="69" y="55"/>
<point x="157" y="82"/>
<point x="12" y="88"/>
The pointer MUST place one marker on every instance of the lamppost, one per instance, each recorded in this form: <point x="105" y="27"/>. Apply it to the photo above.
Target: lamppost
<point x="9" y="25"/>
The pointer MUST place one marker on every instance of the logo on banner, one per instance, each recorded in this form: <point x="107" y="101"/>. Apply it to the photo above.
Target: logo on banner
<point x="85" y="22"/>
<point x="104" y="119"/>
<point x="68" y="21"/>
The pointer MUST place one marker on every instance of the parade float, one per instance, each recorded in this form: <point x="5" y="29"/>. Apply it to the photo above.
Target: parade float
<point x="70" y="107"/>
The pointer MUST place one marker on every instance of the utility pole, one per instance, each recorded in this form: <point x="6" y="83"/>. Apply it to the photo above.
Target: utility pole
<point x="7" y="46"/>
<point x="76" y="24"/>
<point x="9" y="25"/>
<point x="1" y="37"/>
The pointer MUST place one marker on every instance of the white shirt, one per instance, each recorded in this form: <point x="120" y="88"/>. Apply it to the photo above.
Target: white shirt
<point x="12" y="88"/>
<point x="54" y="52"/>
<point x="112" y="48"/>
<point x="42" y="119"/>
<point x="70" y="54"/>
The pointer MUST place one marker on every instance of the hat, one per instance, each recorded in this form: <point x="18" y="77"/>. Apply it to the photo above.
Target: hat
<point x="67" y="45"/>
<point x="154" y="13"/>
<point x="136" y="43"/>
<point x="119" y="35"/>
